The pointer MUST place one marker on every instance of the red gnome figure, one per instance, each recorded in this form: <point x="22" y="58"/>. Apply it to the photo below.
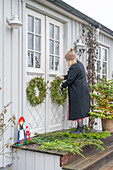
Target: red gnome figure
<point x="27" y="134"/>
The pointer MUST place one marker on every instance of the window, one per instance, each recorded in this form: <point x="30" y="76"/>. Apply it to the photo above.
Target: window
<point x="44" y="44"/>
<point x="34" y="42"/>
<point x="102" y="62"/>
<point x="54" y="44"/>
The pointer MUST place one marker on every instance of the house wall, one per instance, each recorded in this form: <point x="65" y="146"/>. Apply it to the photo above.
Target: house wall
<point x="13" y="58"/>
<point x="36" y="161"/>
<point x="6" y="168"/>
<point x="11" y="68"/>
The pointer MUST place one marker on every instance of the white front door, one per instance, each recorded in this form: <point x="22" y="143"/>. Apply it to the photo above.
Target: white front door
<point x="44" y="57"/>
<point x="35" y="66"/>
<point x="54" y="66"/>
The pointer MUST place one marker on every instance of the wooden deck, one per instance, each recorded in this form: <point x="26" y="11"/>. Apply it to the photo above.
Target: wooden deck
<point x="31" y="157"/>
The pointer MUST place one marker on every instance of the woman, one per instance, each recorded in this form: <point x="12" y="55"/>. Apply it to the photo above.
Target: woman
<point x="78" y="91"/>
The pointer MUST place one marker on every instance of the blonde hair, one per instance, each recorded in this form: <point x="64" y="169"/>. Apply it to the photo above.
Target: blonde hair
<point x="71" y="62"/>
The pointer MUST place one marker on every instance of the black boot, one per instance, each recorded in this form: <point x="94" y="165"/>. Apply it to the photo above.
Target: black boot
<point x="76" y="130"/>
<point x="80" y="130"/>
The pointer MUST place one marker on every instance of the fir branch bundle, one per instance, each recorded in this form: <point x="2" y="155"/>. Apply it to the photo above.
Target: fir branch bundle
<point x="65" y="141"/>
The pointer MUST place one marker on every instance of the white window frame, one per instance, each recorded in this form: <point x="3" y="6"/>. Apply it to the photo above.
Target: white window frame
<point x="101" y="61"/>
<point x="42" y="18"/>
<point x="60" y="25"/>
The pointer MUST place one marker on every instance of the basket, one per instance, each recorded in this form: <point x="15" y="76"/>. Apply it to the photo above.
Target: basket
<point x="107" y="124"/>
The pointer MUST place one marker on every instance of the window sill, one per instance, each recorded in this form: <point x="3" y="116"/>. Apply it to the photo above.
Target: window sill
<point x="52" y="74"/>
<point x="34" y="72"/>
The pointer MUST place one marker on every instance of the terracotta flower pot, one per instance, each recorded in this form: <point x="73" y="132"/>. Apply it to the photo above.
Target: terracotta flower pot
<point x="107" y="124"/>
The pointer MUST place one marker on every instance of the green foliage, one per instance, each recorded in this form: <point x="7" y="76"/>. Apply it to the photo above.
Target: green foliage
<point x="31" y="92"/>
<point x="65" y="146"/>
<point x="68" y="142"/>
<point x="103" y="99"/>
<point x="58" y="95"/>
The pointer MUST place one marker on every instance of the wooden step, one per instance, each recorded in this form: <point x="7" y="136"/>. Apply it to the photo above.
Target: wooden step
<point x="94" y="160"/>
<point x="68" y="158"/>
<point x="107" y="166"/>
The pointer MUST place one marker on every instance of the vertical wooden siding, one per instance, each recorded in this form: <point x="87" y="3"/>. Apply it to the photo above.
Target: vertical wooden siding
<point x="36" y="161"/>
<point x="5" y="69"/>
<point x="1" y="67"/>
<point x="10" y="68"/>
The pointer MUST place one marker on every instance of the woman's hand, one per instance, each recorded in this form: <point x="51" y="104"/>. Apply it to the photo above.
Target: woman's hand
<point x="60" y="77"/>
<point x="61" y="86"/>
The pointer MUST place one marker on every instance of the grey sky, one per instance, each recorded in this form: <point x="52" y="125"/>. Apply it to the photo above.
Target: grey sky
<point x="100" y="10"/>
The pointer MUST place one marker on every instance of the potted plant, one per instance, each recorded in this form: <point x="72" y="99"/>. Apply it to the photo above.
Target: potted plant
<point x="102" y="107"/>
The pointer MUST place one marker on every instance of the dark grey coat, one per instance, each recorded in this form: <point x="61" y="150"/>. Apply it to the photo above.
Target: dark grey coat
<point x="78" y="91"/>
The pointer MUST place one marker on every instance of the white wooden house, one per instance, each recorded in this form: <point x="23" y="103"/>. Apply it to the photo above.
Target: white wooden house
<point x="49" y="29"/>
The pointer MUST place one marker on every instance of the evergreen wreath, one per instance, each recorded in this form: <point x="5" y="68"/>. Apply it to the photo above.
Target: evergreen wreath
<point x="31" y="92"/>
<point x="58" y="95"/>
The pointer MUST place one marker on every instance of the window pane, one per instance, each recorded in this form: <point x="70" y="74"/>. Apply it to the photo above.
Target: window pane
<point x="104" y="54"/>
<point x="98" y="76"/>
<point x="30" y="41"/>
<point x="56" y="63"/>
<point x="99" y="53"/>
<point x="51" y="47"/>
<point x="51" y="62"/>
<point x="37" y="43"/>
<point x="30" y="23"/>
<point x="103" y="76"/>
<point x="51" y="30"/>
<point x="37" y="26"/>
<point x="56" y="33"/>
<point x="30" y="59"/>
<point x="37" y="60"/>
<point x="98" y="66"/>
<point x="56" y="48"/>
<point x="104" y="68"/>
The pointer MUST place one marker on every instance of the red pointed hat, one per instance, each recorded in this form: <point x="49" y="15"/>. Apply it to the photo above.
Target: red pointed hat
<point x="70" y="55"/>
<point x="21" y="119"/>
